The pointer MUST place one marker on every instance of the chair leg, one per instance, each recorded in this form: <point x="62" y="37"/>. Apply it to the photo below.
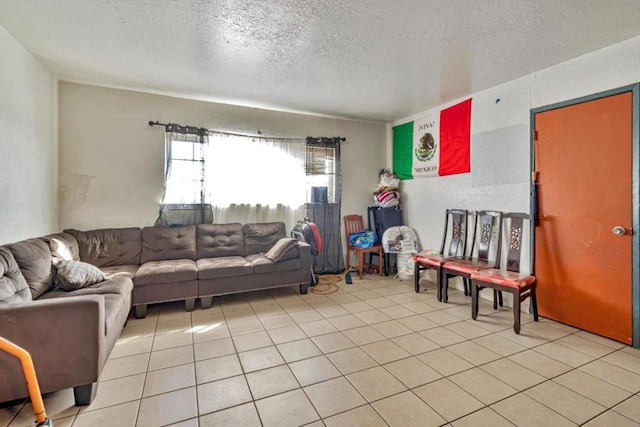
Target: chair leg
<point x="474" y="300"/>
<point x="495" y="299"/>
<point x="360" y="264"/>
<point x="534" y="303"/>
<point x="500" y="302"/>
<point x="466" y="286"/>
<point x="439" y="283"/>
<point x="516" y="311"/>
<point x="445" y="287"/>
<point x="381" y="265"/>
<point x="416" y="276"/>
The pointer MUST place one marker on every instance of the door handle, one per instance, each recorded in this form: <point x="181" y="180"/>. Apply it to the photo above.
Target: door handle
<point x="619" y="230"/>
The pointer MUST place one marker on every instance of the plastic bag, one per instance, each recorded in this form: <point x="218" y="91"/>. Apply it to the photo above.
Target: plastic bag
<point x="363" y="239"/>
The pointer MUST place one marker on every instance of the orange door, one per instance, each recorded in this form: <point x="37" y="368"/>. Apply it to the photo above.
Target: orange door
<point x="583" y="156"/>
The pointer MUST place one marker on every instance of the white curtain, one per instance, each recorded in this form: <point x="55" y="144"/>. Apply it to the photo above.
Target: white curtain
<point x="252" y="179"/>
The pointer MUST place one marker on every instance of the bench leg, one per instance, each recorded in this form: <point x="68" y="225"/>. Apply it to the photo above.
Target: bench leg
<point x="141" y="311"/>
<point x="84" y="394"/>
<point x="205" y="302"/>
<point x="189" y="304"/>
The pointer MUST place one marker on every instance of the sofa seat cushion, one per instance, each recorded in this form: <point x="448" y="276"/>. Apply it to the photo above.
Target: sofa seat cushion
<point x="13" y="286"/>
<point x="166" y="271"/>
<point x="116" y="293"/>
<point x="120" y="271"/>
<point x="227" y="266"/>
<point x="262" y="264"/>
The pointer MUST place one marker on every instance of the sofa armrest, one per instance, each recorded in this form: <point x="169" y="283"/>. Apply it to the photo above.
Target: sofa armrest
<point x="66" y="340"/>
<point x="304" y="252"/>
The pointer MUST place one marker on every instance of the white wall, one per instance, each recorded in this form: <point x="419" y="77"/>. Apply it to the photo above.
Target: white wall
<point x="112" y="161"/>
<point x="500" y="138"/>
<point x="500" y="141"/>
<point x="28" y="145"/>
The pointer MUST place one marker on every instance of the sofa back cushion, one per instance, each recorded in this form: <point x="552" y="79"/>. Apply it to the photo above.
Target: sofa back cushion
<point x="216" y="240"/>
<point x="63" y="247"/>
<point x="160" y="243"/>
<point x="260" y="237"/>
<point x="34" y="260"/>
<point x="13" y="286"/>
<point x="109" y="246"/>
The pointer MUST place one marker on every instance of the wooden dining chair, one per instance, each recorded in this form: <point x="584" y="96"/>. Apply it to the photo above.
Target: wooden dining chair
<point x="354" y="224"/>
<point x="485" y="245"/>
<point x="454" y="240"/>
<point x="510" y="279"/>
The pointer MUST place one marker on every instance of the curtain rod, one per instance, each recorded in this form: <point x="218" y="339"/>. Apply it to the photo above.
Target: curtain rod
<point x="196" y="130"/>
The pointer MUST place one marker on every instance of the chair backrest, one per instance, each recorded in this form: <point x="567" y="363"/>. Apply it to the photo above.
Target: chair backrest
<point x="487" y="236"/>
<point x="352" y="224"/>
<point x="456" y="220"/>
<point x="517" y="229"/>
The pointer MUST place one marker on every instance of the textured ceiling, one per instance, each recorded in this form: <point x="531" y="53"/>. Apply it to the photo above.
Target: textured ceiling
<point x="367" y="59"/>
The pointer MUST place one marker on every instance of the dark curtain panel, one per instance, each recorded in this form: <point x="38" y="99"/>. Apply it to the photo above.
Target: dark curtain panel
<point x="323" y="158"/>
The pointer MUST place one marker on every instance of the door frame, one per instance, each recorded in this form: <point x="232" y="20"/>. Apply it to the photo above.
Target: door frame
<point x="635" y="185"/>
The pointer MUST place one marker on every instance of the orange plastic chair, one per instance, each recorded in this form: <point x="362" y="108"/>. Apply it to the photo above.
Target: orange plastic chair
<point x="354" y="224"/>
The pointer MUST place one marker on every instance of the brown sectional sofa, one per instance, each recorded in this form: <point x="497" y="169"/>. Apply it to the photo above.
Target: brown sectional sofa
<point x="70" y="334"/>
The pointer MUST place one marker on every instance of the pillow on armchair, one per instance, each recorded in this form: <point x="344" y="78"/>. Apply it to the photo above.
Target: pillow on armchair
<point x="72" y="275"/>
<point x="284" y="249"/>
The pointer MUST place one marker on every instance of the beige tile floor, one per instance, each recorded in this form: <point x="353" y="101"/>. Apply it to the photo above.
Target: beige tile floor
<point x="374" y="353"/>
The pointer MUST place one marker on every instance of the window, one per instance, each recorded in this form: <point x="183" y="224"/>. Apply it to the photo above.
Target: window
<point x="322" y="174"/>
<point x="186" y="170"/>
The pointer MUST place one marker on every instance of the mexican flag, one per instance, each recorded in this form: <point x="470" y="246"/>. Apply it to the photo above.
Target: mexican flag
<point x="434" y="145"/>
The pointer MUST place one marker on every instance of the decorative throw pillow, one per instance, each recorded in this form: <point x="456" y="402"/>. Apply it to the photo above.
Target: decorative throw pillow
<point x="72" y="275"/>
<point x="284" y="249"/>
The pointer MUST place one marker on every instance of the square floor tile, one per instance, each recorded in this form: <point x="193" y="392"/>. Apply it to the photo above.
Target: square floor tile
<point x="415" y="343"/>
<point x="277" y="321"/>
<point x="222" y="394"/>
<point x="171" y="357"/>
<point x="396" y="311"/>
<point x="524" y="411"/>
<point x="500" y="345"/>
<point x="448" y="399"/>
<point x="540" y="364"/>
<point x="512" y="373"/>
<point x="244" y="415"/>
<point x="630" y="408"/>
<point x="314" y="370"/>
<point x="114" y="392"/>
<point x="168" y="408"/>
<point x="123" y="415"/>
<point x="442" y="336"/>
<point x="252" y="341"/>
<point x="162" y="342"/>
<point x="613" y="374"/>
<point x="611" y="418"/>
<point x="292" y="408"/>
<point x="332" y="311"/>
<point x="351" y="360"/>
<point x="333" y="396"/>
<point x="333" y="342"/>
<point x="363" y="335"/>
<point x="473" y="353"/>
<point x="406" y="409"/>
<point x="349" y="321"/>
<point x="584" y="345"/>
<point x="318" y="327"/>
<point x="215" y="348"/>
<point x="305" y="316"/>
<point x="375" y="383"/>
<point x="380" y="302"/>
<point x="298" y="350"/>
<point x="412" y="372"/>
<point x="482" y="385"/>
<point x="59" y="405"/>
<point x="361" y="416"/>
<point x="169" y="379"/>
<point x="125" y="366"/>
<point x="385" y="351"/>
<point x="286" y="334"/>
<point x="486" y="417"/>
<point x="392" y="329"/>
<point x="568" y="403"/>
<point x="564" y="354"/>
<point x="357" y="307"/>
<point x="218" y="368"/>
<point x="441" y="318"/>
<point x="593" y="388"/>
<point x="626" y="360"/>
<point x="444" y="361"/>
<point x="130" y="346"/>
<point x="467" y="330"/>
<point x="271" y="381"/>
<point x="417" y="323"/>
<point x="261" y="358"/>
